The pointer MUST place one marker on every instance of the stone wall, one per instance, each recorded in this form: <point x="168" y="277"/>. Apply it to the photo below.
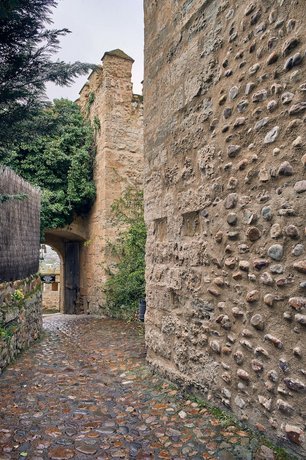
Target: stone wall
<point x="51" y="295"/>
<point x="107" y="99"/>
<point x="225" y="106"/>
<point x="20" y="317"/>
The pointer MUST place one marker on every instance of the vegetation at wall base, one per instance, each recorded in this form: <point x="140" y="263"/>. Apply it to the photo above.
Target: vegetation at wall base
<point x="227" y="419"/>
<point x="126" y="277"/>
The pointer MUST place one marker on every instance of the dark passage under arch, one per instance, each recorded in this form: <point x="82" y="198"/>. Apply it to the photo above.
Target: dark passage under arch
<point x="68" y="244"/>
<point x="71" y="277"/>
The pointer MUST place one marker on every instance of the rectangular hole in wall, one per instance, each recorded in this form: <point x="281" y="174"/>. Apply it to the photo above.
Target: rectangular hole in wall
<point x="160" y="228"/>
<point x="191" y="223"/>
<point x="177" y="301"/>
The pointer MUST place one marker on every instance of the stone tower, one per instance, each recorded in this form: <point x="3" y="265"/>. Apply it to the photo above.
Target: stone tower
<point x="107" y="99"/>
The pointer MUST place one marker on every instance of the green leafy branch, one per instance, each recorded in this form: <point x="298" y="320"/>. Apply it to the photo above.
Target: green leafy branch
<point x="91" y="98"/>
<point x="126" y="275"/>
<point x="18" y="197"/>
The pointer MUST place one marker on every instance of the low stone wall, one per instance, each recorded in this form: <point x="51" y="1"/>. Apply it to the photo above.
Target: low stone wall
<point x="51" y="297"/>
<point x="20" y="317"/>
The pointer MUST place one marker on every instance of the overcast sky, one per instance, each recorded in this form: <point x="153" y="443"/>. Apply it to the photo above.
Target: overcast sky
<point x="98" y="26"/>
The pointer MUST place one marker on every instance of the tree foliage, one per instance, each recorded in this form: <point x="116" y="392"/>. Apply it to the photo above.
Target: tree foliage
<point x="26" y="65"/>
<point x="59" y="159"/>
<point x="126" y="283"/>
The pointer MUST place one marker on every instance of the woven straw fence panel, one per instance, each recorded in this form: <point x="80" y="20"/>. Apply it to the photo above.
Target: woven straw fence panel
<point x="19" y="227"/>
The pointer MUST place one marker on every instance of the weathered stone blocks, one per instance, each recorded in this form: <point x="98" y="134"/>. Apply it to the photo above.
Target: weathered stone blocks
<point x="249" y="194"/>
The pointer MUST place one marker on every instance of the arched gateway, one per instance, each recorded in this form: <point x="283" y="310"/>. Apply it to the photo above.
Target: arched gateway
<point x="68" y="244"/>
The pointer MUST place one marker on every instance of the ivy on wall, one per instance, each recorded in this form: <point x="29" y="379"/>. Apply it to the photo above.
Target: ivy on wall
<point x="126" y="283"/>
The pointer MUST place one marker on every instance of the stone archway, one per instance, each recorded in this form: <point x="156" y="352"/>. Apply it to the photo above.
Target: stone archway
<point x="68" y="243"/>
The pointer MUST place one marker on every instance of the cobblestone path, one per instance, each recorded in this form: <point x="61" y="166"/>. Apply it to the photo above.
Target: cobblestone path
<point x="84" y="391"/>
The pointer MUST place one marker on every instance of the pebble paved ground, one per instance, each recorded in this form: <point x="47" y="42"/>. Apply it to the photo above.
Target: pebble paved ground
<point x="84" y="391"/>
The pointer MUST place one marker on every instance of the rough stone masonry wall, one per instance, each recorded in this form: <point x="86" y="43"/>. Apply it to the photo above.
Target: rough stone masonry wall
<point x="117" y="116"/>
<point x="225" y="189"/>
<point x="20" y="317"/>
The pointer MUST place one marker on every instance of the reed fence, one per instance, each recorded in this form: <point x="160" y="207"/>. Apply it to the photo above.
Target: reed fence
<point x="19" y="227"/>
